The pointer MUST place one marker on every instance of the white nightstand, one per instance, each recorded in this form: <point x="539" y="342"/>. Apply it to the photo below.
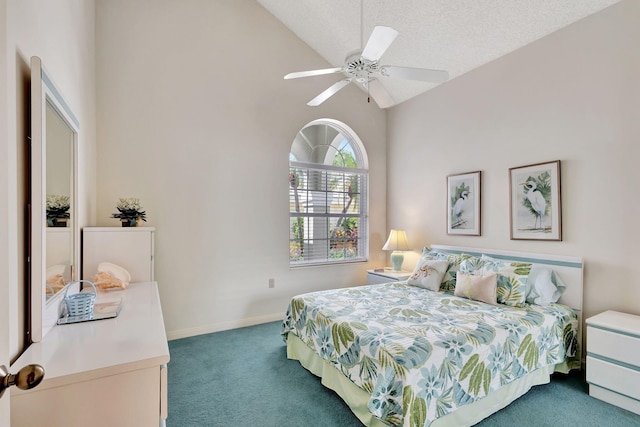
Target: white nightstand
<point x="386" y="276"/>
<point x="613" y="359"/>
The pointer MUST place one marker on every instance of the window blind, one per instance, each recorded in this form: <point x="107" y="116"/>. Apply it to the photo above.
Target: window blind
<point x="328" y="214"/>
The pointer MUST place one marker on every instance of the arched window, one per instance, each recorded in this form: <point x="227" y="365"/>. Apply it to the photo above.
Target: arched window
<point x="327" y="195"/>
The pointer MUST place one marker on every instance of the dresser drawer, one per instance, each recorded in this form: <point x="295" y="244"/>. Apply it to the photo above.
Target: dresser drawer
<point x="614" y="398"/>
<point x="619" y="347"/>
<point x="614" y="377"/>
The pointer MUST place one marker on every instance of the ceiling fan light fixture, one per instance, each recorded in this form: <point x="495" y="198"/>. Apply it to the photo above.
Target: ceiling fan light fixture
<point x="359" y="68"/>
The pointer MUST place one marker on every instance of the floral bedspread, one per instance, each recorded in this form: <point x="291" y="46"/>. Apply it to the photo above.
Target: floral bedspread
<point x="422" y="354"/>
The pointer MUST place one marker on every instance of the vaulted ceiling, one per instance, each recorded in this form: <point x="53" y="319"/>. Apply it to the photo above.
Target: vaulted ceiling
<point x="452" y="35"/>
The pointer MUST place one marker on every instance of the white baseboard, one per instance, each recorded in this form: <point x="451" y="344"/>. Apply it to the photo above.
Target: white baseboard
<point x="224" y="326"/>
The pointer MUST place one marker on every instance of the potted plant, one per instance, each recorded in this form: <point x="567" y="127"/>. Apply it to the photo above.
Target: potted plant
<point x="57" y="210"/>
<point x="129" y="212"/>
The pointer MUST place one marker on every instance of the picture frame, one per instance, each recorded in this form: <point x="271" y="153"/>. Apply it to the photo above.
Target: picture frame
<point x="535" y="202"/>
<point x="464" y="203"/>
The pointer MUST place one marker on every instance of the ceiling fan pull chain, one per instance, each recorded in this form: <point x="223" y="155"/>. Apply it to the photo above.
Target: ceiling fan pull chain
<point x="361" y="24"/>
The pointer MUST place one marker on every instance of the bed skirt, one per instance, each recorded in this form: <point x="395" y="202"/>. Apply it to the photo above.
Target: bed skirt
<point x="357" y="399"/>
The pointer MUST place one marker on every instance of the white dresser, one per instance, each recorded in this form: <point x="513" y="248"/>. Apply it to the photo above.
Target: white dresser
<point x="128" y="247"/>
<point x="613" y="359"/>
<point x="102" y="373"/>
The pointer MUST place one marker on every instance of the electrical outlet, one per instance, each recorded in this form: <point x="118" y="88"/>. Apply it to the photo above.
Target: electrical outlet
<point x="272" y="283"/>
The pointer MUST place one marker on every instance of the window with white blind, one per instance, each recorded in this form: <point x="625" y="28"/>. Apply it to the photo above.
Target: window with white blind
<point x="327" y="196"/>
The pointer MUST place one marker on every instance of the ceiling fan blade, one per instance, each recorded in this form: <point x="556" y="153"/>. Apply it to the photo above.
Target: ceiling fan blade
<point x="422" y="74"/>
<point x="312" y="73"/>
<point x="379" y="41"/>
<point x="328" y="93"/>
<point x="380" y="94"/>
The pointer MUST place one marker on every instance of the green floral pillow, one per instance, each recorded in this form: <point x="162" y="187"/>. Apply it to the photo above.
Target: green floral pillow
<point x="472" y="265"/>
<point x="449" y="280"/>
<point x="512" y="279"/>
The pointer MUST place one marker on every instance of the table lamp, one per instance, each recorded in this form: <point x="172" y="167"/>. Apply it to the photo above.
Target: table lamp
<point x="397" y="242"/>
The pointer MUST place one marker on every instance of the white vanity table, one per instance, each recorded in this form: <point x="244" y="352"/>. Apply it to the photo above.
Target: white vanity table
<point x="108" y="372"/>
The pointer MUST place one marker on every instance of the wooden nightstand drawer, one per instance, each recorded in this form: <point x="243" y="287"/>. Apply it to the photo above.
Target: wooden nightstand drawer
<point x="613" y="377"/>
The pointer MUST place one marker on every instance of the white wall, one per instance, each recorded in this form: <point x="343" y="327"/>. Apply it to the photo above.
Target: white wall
<point x="61" y="33"/>
<point x="195" y="119"/>
<point x="573" y="96"/>
<point x="5" y="248"/>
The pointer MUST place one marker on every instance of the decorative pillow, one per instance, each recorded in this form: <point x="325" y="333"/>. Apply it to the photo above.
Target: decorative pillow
<point x="512" y="279"/>
<point x="544" y="286"/>
<point x="428" y="273"/>
<point x="429" y="253"/>
<point x="472" y="265"/>
<point x="449" y="280"/>
<point x="477" y="287"/>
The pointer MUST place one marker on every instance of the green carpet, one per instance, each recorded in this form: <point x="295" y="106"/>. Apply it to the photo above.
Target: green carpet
<point x="242" y="378"/>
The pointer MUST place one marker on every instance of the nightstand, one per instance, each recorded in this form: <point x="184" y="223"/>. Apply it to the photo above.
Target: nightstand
<point x="386" y="276"/>
<point x="613" y="359"/>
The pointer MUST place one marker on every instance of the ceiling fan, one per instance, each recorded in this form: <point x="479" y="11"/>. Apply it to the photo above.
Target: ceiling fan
<point x="362" y="67"/>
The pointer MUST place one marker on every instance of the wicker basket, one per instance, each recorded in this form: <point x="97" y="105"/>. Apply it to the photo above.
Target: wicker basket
<point x="80" y="304"/>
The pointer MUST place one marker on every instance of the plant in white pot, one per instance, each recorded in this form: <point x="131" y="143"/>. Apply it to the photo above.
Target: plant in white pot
<point x="129" y="212"/>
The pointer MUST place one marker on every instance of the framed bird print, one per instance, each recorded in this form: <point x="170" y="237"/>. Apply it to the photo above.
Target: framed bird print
<point x="463" y="204"/>
<point x="536" y="212"/>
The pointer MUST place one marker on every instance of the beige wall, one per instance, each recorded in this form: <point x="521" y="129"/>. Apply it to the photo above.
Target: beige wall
<point x="4" y="210"/>
<point x="195" y="119"/>
<point x="200" y="127"/>
<point x="572" y="96"/>
<point x="61" y="33"/>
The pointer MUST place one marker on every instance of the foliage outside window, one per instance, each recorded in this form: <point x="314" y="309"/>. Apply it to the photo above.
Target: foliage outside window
<point x="327" y="198"/>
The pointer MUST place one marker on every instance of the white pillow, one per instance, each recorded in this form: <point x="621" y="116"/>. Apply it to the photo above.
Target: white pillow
<point x="544" y="286"/>
<point x="428" y="273"/>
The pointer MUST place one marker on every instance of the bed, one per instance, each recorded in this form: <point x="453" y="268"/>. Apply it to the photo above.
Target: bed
<point x="421" y="353"/>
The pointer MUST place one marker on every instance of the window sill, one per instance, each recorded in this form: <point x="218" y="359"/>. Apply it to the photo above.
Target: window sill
<point x="327" y="264"/>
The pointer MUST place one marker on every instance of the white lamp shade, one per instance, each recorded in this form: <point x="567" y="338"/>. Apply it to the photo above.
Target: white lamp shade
<point x="397" y="241"/>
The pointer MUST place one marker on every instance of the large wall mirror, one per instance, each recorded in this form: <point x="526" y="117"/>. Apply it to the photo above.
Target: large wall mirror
<point x="54" y="226"/>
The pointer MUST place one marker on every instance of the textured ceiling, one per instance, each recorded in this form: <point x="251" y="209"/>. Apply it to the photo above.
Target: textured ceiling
<point x="452" y="35"/>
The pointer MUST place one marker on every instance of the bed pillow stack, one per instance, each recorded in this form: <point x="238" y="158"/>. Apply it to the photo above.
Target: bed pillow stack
<point x="518" y="283"/>
<point x="447" y="282"/>
<point x="512" y="280"/>
<point x="511" y="277"/>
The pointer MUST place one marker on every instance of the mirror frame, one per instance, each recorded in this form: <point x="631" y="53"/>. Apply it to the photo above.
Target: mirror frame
<point x="44" y="314"/>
